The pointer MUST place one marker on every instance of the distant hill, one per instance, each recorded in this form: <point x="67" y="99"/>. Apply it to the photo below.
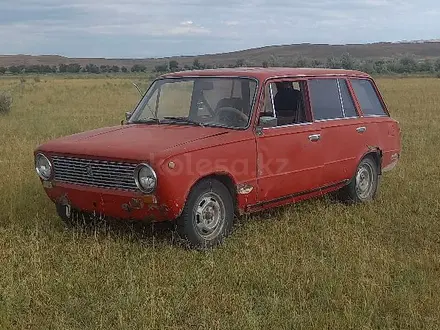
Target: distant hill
<point x="255" y="56"/>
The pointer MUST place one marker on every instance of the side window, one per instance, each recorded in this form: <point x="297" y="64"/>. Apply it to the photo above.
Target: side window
<point x="288" y="101"/>
<point x="368" y="99"/>
<point x="325" y="99"/>
<point x="347" y="101"/>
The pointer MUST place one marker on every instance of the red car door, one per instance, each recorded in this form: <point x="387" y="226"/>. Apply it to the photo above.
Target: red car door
<point x="289" y="155"/>
<point x="341" y="130"/>
<point x="376" y="128"/>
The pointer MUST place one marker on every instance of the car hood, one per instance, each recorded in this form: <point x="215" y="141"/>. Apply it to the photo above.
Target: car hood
<point x="131" y="142"/>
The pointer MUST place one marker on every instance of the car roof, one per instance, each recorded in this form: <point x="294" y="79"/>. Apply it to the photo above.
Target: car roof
<point x="266" y="73"/>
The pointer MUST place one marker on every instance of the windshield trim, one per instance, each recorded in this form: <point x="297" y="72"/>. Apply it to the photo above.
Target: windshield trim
<point x="253" y="103"/>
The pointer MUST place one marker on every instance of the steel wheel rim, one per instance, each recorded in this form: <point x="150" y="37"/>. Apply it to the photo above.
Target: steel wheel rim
<point x="364" y="181"/>
<point x="209" y="215"/>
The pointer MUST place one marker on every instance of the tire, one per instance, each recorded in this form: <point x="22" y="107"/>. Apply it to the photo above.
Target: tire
<point x="364" y="184"/>
<point x="208" y="215"/>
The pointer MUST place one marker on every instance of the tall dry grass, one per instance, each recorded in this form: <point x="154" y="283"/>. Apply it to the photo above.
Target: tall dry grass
<point x="314" y="265"/>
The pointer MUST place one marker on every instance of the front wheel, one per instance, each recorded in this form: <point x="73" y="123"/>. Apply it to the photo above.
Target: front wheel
<point x="363" y="186"/>
<point x="208" y="214"/>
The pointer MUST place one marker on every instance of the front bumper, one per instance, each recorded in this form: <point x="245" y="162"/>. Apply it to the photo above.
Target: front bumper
<point x="108" y="202"/>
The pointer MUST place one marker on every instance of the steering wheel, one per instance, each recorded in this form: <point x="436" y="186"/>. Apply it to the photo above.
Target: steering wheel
<point x="231" y="115"/>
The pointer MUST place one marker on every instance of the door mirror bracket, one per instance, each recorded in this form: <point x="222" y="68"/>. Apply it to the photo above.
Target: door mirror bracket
<point x="267" y="121"/>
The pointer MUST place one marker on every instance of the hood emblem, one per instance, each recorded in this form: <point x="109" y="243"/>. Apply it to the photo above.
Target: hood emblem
<point x="89" y="170"/>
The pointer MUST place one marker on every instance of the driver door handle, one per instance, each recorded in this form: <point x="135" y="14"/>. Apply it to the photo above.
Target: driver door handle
<point x="361" y="129"/>
<point x="315" y="137"/>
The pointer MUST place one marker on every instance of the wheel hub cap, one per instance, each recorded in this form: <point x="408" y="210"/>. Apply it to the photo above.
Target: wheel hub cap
<point x="209" y="214"/>
<point x="364" y="181"/>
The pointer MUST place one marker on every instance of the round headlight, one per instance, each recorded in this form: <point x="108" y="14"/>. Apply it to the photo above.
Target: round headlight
<point x="43" y="167"/>
<point x="145" y="177"/>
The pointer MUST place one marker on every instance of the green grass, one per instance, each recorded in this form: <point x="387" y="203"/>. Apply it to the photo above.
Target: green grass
<point x="313" y="265"/>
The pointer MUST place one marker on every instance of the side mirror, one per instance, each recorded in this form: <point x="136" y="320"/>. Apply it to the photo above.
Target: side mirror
<point x="128" y="115"/>
<point x="267" y="121"/>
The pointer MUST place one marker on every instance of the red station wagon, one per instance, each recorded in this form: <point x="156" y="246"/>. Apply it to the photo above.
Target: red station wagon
<point x="203" y="146"/>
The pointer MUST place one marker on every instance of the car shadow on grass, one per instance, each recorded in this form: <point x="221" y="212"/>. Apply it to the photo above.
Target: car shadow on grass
<point x="163" y="233"/>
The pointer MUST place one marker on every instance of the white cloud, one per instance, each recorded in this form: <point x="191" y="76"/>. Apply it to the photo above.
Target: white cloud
<point x="187" y="23"/>
<point x="231" y="23"/>
<point x="188" y="26"/>
<point x="188" y="30"/>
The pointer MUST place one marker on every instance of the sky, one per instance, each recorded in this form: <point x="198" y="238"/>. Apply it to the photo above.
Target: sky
<point x="158" y="28"/>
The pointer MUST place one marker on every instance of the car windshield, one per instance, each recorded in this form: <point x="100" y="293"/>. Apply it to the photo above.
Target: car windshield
<point x="202" y="101"/>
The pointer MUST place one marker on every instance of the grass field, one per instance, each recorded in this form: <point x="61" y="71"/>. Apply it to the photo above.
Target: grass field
<point x="314" y="265"/>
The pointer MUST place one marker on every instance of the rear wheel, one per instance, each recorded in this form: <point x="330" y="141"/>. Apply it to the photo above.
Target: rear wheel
<point x="363" y="186"/>
<point x="208" y="214"/>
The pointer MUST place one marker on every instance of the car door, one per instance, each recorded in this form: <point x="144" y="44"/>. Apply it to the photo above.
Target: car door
<point x="371" y="107"/>
<point x="288" y="154"/>
<point x="378" y="129"/>
<point x="334" y="111"/>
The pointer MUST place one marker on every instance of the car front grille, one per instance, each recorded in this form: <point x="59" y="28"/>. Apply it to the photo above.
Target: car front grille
<point x="96" y="173"/>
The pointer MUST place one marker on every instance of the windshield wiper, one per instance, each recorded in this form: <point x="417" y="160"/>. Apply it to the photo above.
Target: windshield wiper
<point x="185" y="120"/>
<point x="147" y="121"/>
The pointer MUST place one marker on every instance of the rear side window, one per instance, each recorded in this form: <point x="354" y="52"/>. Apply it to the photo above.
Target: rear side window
<point x="325" y="100"/>
<point x="347" y="100"/>
<point x="367" y="96"/>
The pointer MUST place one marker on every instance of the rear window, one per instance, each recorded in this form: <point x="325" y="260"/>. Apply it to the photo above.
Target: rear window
<point x="367" y="96"/>
<point x="347" y="100"/>
<point x="325" y="100"/>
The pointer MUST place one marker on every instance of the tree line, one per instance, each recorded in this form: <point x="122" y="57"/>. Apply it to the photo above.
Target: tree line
<point x="401" y="65"/>
<point x="405" y="64"/>
<point x="70" y="68"/>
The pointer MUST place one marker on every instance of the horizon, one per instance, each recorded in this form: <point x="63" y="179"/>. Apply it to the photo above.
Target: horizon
<point x="415" y="41"/>
<point x="155" y="29"/>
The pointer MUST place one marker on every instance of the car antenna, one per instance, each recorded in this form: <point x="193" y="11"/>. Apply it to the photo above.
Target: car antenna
<point x="137" y="87"/>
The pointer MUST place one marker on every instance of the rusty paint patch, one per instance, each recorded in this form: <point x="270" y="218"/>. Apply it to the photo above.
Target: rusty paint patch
<point x="64" y="200"/>
<point x="48" y="184"/>
<point x="394" y="157"/>
<point x="149" y="219"/>
<point x="163" y="208"/>
<point x="136" y="204"/>
<point x="244" y="189"/>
